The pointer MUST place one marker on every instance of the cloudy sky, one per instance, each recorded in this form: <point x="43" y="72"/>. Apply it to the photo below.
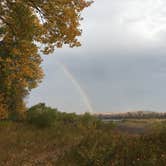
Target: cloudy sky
<point x="121" y="65"/>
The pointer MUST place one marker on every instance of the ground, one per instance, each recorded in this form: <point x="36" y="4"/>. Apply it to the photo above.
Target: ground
<point x="22" y="144"/>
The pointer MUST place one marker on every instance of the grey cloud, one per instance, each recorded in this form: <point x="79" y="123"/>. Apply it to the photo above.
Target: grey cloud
<point x="119" y="69"/>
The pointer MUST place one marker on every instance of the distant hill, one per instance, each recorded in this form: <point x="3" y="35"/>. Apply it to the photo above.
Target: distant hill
<point x="132" y="115"/>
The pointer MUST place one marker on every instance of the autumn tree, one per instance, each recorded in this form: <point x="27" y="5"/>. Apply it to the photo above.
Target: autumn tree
<point x="27" y="28"/>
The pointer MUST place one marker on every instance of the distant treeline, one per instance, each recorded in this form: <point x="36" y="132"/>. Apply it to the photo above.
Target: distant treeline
<point x="133" y="115"/>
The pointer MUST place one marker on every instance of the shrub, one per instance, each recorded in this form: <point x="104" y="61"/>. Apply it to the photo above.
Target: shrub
<point x="41" y="116"/>
<point x="3" y="109"/>
<point x="67" y="118"/>
<point x="95" y="148"/>
<point x="90" y="121"/>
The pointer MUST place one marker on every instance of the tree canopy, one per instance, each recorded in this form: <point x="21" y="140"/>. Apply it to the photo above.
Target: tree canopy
<point x="28" y="27"/>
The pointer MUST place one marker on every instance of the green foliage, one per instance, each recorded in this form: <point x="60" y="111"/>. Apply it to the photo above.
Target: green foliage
<point x="41" y="116"/>
<point x="89" y="122"/>
<point x="14" y="116"/>
<point x="67" y="118"/>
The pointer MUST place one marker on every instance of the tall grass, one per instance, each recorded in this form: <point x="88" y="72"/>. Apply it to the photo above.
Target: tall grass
<point x="73" y="140"/>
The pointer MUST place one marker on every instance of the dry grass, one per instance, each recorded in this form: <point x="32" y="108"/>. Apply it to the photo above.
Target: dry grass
<point x="22" y="144"/>
<point x="141" y="126"/>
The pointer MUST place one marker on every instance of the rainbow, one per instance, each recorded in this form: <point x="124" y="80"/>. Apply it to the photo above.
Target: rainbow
<point x="76" y="84"/>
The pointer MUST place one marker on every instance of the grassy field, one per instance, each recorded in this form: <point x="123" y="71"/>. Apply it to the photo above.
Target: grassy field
<point x="23" y="144"/>
<point x="129" y="142"/>
<point x="138" y="126"/>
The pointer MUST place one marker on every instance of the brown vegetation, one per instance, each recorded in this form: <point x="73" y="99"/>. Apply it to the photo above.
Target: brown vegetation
<point x="83" y="140"/>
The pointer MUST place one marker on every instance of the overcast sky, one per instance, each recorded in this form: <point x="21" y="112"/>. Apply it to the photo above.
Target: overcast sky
<point x="121" y="65"/>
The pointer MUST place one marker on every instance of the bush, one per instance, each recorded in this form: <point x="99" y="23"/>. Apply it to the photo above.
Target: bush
<point x="100" y="148"/>
<point x="90" y="121"/>
<point x="17" y="116"/>
<point x="41" y="116"/>
<point x="95" y="148"/>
